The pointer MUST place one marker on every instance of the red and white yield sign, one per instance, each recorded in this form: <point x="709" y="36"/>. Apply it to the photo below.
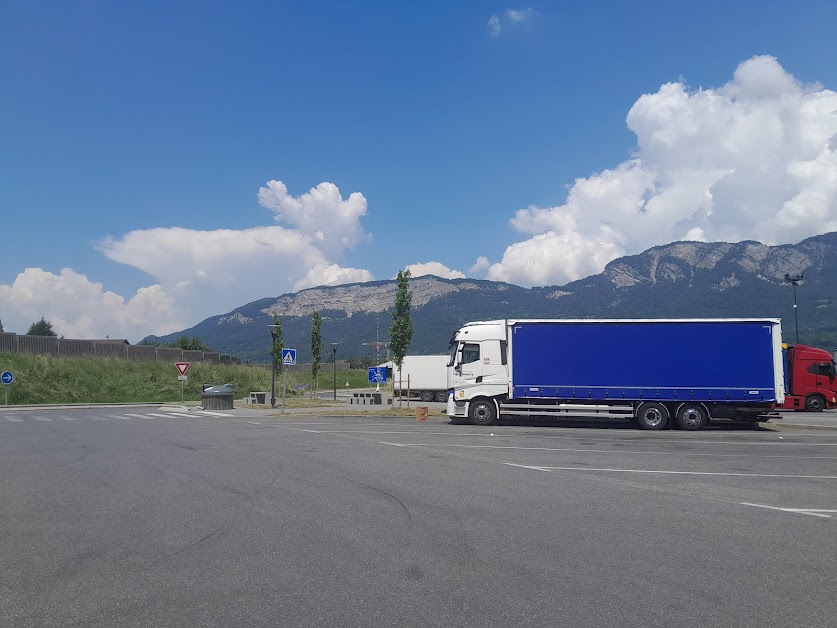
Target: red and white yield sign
<point x="182" y="367"/>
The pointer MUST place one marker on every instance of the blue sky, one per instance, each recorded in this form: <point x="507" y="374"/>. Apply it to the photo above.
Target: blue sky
<point x="529" y="143"/>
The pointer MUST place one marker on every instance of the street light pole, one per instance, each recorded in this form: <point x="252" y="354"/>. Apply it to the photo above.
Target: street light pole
<point x="794" y="281"/>
<point x="334" y="346"/>
<point x="274" y="334"/>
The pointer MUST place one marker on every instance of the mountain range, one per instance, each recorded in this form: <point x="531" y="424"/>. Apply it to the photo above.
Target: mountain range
<point x="677" y="280"/>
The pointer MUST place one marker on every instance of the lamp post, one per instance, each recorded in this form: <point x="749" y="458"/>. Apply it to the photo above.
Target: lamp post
<point x="274" y="334"/>
<point x="334" y="346"/>
<point x="794" y="281"/>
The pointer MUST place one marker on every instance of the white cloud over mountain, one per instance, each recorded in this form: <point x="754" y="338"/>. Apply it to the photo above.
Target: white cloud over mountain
<point x="754" y="159"/>
<point x="199" y="273"/>
<point x="434" y="268"/>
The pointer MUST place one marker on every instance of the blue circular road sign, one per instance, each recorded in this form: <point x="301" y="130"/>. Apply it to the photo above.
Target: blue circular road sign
<point x="7" y="377"/>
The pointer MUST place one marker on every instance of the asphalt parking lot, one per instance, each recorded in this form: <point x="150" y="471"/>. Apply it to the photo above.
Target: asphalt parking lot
<point x="166" y="516"/>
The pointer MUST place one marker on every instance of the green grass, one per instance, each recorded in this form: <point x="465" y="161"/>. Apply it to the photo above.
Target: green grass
<point x="48" y="379"/>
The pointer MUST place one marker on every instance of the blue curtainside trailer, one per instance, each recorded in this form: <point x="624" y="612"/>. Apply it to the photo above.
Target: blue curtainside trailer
<point x="652" y="371"/>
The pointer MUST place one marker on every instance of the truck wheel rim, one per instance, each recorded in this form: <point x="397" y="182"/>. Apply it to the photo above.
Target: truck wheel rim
<point x="691" y="417"/>
<point x="653" y="416"/>
<point x="481" y="413"/>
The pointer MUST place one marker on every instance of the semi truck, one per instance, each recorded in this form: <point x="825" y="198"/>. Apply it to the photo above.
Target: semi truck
<point x="810" y="379"/>
<point x="655" y="373"/>
<point x="425" y="376"/>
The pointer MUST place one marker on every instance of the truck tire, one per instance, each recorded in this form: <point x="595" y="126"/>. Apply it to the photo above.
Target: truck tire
<point x="482" y="412"/>
<point x="441" y="396"/>
<point x="692" y="416"/>
<point x="815" y="403"/>
<point x="426" y="396"/>
<point x="651" y="416"/>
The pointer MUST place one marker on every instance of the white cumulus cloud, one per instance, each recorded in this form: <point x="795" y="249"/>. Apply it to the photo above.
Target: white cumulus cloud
<point x="753" y="159"/>
<point x="198" y="273"/>
<point x="434" y="268"/>
<point x="80" y="308"/>
<point x="320" y="214"/>
<point x="480" y="265"/>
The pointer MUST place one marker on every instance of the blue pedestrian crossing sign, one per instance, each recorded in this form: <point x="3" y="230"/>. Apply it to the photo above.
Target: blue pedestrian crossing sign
<point x="378" y="375"/>
<point x="289" y="357"/>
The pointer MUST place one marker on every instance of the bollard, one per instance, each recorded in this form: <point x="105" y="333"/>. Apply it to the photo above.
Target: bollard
<point x="421" y="413"/>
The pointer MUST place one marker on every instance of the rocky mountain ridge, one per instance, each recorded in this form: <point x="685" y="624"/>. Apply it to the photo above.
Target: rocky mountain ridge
<point x="677" y="280"/>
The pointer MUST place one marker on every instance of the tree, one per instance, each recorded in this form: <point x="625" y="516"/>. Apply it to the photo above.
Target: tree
<point x="41" y="328"/>
<point x="401" y="330"/>
<point x="1" y="327"/>
<point x="276" y="346"/>
<point x="316" y="347"/>
<point x="190" y="344"/>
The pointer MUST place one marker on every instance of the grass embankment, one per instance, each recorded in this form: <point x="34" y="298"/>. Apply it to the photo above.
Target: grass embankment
<point x="48" y="379"/>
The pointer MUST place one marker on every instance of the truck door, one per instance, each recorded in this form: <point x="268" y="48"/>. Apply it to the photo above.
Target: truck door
<point x="468" y="367"/>
<point x="822" y="375"/>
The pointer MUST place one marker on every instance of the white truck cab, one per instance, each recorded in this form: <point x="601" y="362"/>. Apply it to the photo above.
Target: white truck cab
<point x="477" y="368"/>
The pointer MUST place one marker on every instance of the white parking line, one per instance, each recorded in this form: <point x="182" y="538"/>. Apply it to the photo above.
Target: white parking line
<point x="814" y="512"/>
<point x="13" y="419"/>
<point x="141" y="416"/>
<point x="41" y="418"/>
<point x="159" y="416"/>
<point x="610" y="451"/>
<point x="120" y="417"/>
<point x="67" y="418"/>
<point x="663" y="472"/>
<point x="210" y="413"/>
<point x="188" y="416"/>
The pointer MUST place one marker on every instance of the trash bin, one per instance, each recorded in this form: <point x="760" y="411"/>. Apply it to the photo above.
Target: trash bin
<point x="421" y="413"/>
<point x="218" y="397"/>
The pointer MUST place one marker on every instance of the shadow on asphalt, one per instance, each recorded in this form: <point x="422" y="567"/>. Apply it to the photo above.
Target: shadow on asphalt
<point x="618" y="424"/>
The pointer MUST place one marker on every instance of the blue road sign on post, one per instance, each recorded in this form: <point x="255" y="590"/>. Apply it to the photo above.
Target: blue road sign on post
<point x="7" y="378"/>
<point x="377" y="375"/>
<point x="289" y="357"/>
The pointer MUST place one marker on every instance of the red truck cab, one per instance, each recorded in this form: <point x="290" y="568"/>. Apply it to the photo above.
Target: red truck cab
<point x="810" y="379"/>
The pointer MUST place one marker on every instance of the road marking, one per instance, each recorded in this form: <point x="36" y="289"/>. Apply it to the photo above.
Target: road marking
<point x="120" y="417"/>
<point x="253" y="423"/>
<point x="159" y="416"/>
<point x="13" y="419"/>
<point x="609" y="451"/>
<point x="188" y="416"/>
<point x="67" y="418"/>
<point x="814" y="512"/>
<point x="652" y="471"/>
<point x="41" y="418"/>
<point x="210" y="413"/>
<point x="98" y="418"/>
<point x="141" y="416"/>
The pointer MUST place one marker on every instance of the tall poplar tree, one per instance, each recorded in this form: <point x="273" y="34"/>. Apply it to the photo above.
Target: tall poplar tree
<point x="276" y="347"/>
<point x="316" y="347"/>
<point x="401" y="330"/>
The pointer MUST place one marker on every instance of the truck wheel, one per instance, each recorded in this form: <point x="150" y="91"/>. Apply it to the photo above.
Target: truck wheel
<point x="692" y="416"/>
<point x="651" y="416"/>
<point x="441" y="396"/>
<point x="426" y="396"/>
<point x="815" y="403"/>
<point x="482" y="412"/>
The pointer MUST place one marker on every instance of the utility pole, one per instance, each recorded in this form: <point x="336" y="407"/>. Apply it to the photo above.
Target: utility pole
<point x="795" y="280"/>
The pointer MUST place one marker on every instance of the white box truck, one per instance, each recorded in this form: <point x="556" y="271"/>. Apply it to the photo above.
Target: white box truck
<point x="427" y="374"/>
